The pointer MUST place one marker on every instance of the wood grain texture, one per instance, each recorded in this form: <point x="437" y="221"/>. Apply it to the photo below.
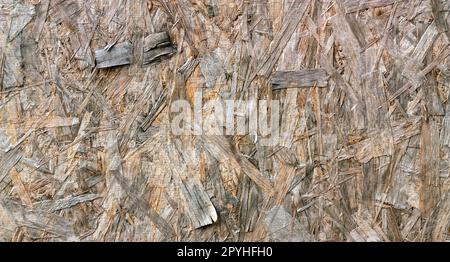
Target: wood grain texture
<point x="87" y="151"/>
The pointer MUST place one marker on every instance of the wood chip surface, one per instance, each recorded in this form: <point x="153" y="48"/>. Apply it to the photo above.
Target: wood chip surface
<point x="88" y="152"/>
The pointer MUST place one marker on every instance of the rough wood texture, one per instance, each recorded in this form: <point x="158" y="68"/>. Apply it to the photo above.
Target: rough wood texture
<point x="87" y="150"/>
<point x="156" y="47"/>
<point x="304" y="78"/>
<point x="114" y="55"/>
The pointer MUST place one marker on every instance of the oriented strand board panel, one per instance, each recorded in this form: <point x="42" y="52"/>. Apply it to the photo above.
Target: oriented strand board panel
<point x="224" y="120"/>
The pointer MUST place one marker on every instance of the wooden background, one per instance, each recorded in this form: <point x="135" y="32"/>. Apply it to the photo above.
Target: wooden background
<point x="86" y="152"/>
